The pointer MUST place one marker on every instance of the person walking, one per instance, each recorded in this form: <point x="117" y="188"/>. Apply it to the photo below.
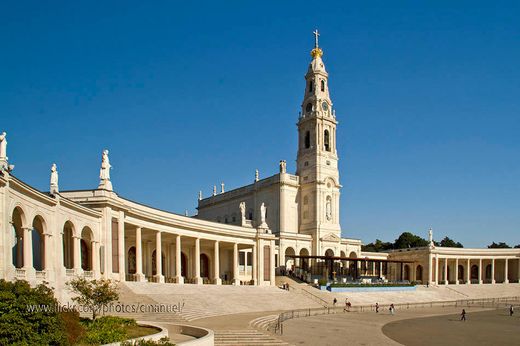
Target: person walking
<point x="334" y="302"/>
<point x="392" y="309"/>
<point x="347" y="305"/>
<point x="463" y="315"/>
<point x="377" y="308"/>
<point x="511" y="310"/>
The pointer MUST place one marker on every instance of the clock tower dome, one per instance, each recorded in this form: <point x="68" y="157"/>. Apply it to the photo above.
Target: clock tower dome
<point x="317" y="161"/>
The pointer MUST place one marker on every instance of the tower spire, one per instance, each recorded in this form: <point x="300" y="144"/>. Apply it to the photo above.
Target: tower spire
<point x="317" y="52"/>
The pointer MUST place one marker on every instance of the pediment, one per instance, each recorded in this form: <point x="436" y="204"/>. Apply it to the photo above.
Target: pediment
<point x="330" y="237"/>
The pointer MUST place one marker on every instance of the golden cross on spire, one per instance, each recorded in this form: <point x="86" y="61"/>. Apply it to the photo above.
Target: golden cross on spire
<point x="316" y="35"/>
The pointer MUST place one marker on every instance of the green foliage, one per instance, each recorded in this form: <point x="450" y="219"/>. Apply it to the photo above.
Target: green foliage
<point x="74" y="329"/>
<point x="93" y="294"/>
<point x="162" y="342"/>
<point x="322" y="282"/>
<point x="500" y="245"/>
<point x="408" y="240"/>
<point x="28" y="315"/>
<point x="447" y="242"/>
<point x="105" y="330"/>
<point x="517" y="246"/>
<point x="377" y="246"/>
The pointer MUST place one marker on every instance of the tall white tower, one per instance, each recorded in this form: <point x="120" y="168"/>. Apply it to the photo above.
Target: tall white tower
<point x="317" y="161"/>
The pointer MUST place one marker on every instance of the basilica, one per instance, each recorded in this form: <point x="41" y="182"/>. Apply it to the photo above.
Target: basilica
<point x="245" y="236"/>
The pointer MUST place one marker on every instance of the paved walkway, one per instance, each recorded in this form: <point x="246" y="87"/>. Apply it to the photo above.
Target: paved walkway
<point x="355" y="328"/>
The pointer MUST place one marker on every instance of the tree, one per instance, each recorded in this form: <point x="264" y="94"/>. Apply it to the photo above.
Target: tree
<point x="377" y="246"/>
<point x="448" y="242"/>
<point x="407" y="240"/>
<point x="29" y="316"/>
<point x="517" y="246"/>
<point x="500" y="245"/>
<point x="94" y="294"/>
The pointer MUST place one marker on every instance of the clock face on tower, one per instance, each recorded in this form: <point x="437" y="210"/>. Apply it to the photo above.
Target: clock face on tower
<point x="325" y="106"/>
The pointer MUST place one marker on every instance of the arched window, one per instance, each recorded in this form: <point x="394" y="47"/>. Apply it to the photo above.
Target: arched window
<point x="308" y="108"/>
<point x="307" y="140"/>
<point x="326" y="140"/>
<point x="310" y="86"/>
<point x="322" y="85"/>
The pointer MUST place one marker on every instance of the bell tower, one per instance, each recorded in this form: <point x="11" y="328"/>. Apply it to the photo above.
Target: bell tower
<point x="317" y="161"/>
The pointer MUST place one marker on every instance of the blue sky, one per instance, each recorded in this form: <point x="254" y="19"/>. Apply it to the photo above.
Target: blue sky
<point x="188" y="95"/>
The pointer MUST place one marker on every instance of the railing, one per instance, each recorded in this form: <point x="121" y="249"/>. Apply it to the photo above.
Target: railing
<point x="41" y="274"/>
<point x="70" y="272"/>
<point x="19" y="273"/>
<point x="88" y="274"/>
<point x="277" y="325"/>
<point x="314" y="297"/>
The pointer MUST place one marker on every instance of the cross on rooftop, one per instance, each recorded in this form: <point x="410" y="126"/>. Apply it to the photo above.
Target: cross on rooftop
<point x="316" y="34"/>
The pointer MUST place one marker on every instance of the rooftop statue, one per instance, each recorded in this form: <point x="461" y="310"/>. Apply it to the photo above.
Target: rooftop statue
<point x="54" y="180"/>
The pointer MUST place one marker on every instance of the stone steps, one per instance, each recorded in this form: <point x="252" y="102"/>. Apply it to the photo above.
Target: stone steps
<point x="245" y="337"/>
<point x="263" y="322"/>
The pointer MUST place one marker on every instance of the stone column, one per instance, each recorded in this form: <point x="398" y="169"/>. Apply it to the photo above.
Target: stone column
<point x="159" y="277"/>
<point x="216" y="264"/>
<point x="139" y="276"/>
<point x="94" y="245"/>
<point x="446" y="279"/>
<point x="480" y="271"/>
<point x="236" y="281"/>
<point x="273" y="265"/>
<point x="198" y="279"/>
<point x="430" y="268"/>
<point x="30" y="272"/>
<point x="436" y="269"/>
<point x="456" y="271"/>
<point x="506" y="269"/>
<point x="493" y="271"/>
<point x="47" y="252"/>
<point x="121" y="245"/>
<point x="76" y="244"/>
<point x="468" y="272"/>
<point x="380" y="269"/>
<point x="178" y="263"/>
<point x="255" y="261"/>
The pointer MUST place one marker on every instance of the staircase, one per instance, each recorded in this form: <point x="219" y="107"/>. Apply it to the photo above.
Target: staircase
<point x="245" y="337"/>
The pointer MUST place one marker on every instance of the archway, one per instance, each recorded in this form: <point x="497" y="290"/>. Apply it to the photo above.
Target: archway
<point x="204" y="266"/>
<point x="406" y="274"/>
<point x="474" y="272"/>
<point x="154" y="262"/>
<point x="68" y="245"/>
<point x="353" y="271"/>
<point x="18" y="221"/>
<point x="419" y="273"/>
<point x="131" y="260"/>
<point x="488" y="272"/>
<point x="289" y="261"/>
<point x="184" y="264"/>
<point x="38" y="243"/>
<point x="304" y="262"/>
<point x="461" y="273"/>
<point x="329" y="253"/>
<point x="86" y="249"/>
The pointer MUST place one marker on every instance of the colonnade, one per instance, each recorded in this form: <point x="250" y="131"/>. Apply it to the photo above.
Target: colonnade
<point x="473" y="270"/>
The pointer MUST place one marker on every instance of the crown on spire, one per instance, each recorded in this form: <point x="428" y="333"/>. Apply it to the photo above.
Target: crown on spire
<point x="317" y="51"/>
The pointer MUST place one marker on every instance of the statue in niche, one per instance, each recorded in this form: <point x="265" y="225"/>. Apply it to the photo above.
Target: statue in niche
<point x="328" y="209"/>
<point x="54" y="180"/>
<point x="242" y="207"/>
<point x="3" y="146"/>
